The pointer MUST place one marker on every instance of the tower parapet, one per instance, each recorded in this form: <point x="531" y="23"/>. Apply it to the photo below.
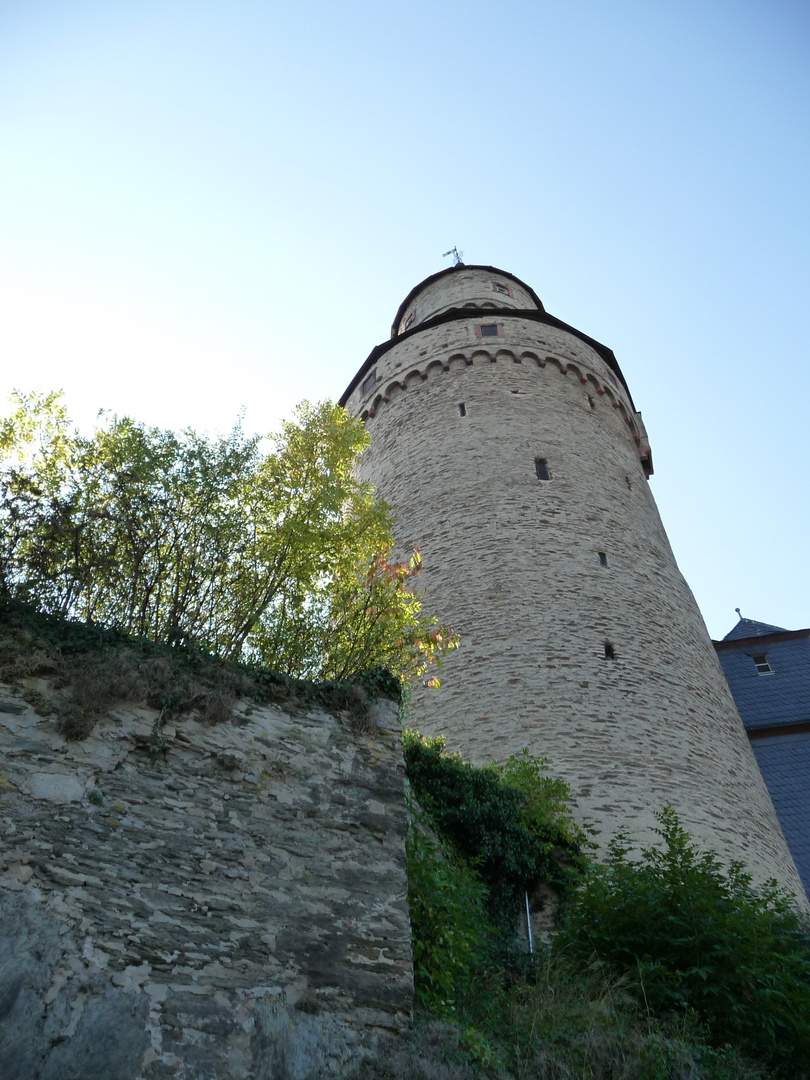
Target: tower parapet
<point x="510" y="447"/>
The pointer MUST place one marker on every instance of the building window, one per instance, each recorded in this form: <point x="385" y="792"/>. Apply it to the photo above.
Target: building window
<point x="762" y="665"/>
<point x="500" y="287"/>
<point x="462" y="409"/>
<point x="369" y="382"/>
<point x="602" y="558"/>
<point x="408" y="321"/>
<point x="541" y="468"/>
<point x="489" y="330"/>
<point x="610" y="651"/>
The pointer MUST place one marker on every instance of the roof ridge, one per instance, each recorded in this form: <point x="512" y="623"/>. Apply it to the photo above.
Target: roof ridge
<point x="752" y="628"/>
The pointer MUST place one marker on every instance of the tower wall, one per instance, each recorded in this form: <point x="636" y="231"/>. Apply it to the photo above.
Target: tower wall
<point x="466" y="288"/>
<point x="512" y="561"/>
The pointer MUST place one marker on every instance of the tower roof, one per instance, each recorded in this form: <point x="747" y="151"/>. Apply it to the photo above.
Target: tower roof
<point x="747" y="628"/>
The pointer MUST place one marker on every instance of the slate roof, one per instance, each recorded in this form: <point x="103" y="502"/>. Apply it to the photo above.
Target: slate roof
<point x="771" y="704"/>
<point x="770" y="700"/>
<point x="784" y="761"/>
<point x="773" y="699"/>
<point x="750" y="628"/>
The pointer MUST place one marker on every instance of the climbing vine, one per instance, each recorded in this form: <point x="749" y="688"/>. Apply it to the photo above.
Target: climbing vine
<point x="511" y="822"/>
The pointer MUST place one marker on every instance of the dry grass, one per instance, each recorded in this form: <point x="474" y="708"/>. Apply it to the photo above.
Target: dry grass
<point x="564" y="1024"/>
<point x="218" y="708"/>
<point x="86" y="683"/>
<point x="430" y="1050"/>
<point x="567" y="1024"/>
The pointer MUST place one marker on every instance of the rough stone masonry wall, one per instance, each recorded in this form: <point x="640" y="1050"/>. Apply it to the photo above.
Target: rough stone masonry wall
<point x="234" y="907"/>
<point x="464" y="286"/>
<point x="512" y="562"/>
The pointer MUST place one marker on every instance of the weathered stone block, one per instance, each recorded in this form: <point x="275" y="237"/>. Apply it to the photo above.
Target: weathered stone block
<point x="188" y="917"/>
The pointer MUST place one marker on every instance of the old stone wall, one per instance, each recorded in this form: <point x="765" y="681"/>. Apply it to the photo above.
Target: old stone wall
<point x="580" y="638"/>
<point x="232" y="905"/>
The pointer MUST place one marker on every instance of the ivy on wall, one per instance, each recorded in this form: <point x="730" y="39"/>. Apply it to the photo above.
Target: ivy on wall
<point x="510" y="822"/>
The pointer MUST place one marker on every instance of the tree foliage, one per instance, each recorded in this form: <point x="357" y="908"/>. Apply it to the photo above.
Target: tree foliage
<point x="450" y="929"/>
<point x="279" y="557"/>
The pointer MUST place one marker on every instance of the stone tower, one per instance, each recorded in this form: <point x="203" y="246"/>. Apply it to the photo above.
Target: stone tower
<point x="510" y="447"/>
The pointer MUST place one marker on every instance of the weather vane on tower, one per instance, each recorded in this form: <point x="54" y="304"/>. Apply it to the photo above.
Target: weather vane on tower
<point x="458" y="256"/>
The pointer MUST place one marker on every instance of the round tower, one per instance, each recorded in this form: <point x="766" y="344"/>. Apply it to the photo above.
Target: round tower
<point x="510" y="448"/>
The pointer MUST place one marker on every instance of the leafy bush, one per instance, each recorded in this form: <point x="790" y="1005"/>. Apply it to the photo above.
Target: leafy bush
<point x="694" y="937"/>
<point x="665" y="968"/>
<point x="511" y="822"/>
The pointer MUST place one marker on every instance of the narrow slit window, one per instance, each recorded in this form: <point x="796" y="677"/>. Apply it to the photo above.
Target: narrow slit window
<point x="762" y="665"/>
<point x="602" y="558"/>
<point x="462" y="409"/>
<point x="541" y="468"/>
<point x="610" y="652"/>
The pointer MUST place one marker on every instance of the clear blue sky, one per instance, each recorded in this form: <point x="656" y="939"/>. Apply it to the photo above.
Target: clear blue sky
<point x="209" y="205"/>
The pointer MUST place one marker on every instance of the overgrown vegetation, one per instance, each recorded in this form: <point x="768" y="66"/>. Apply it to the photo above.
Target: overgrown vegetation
<point x="511" y="822"/>
<point x="690" y="935"/>
<point x="564" y="1025"/>
<point x="279" y="557"/>
<point x="452" y="932"/>
<point x="90" y="668"/>
<point x="664" y="965"/>
<point x="189" y="572"/>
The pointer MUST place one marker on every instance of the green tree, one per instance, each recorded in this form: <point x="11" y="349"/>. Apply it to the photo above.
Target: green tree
<point x="380" y="612"/>
<point x="278" y="557"/>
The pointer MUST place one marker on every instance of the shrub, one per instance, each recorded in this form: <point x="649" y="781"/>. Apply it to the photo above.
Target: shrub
<point x="664" y="968"/>
<point x="693" y="937"/>
<point x="581" y="1021"/>
<point x="511" y="822"/>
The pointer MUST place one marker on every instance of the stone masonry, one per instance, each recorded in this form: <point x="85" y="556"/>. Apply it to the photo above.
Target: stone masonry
<point x="580" y="638"/>
<point x="230" y="906"/>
